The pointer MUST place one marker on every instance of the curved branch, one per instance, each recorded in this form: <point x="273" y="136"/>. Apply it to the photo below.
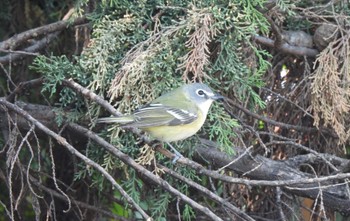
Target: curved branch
<point x="76" y="202"/>
<point x="129" y="161"/>
<point x="22" y="86"/>
<point x="51" y="31"/>
<point x="17" y="40"/>
<point x="41" y="113"/>
<point x="125" y="158"/>
<point x="91" y="95"/>
<point x="62" y="141"/>
<point x="273" y="122"/>
<point x="278" y="172"/>
<point x="37" y="46"/>
<point x="207" y="192"/>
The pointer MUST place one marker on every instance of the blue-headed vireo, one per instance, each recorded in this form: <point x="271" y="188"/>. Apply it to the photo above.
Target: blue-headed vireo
<point x="173" y="116"/>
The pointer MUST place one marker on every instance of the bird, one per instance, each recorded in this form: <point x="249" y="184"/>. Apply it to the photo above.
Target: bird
<point x="173" y="116"/>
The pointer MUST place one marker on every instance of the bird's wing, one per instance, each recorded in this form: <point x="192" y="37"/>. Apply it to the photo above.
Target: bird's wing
<point x="154" y="115"/>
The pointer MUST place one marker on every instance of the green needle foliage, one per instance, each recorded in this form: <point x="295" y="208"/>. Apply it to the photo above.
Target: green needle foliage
<point x="141" y="49"/>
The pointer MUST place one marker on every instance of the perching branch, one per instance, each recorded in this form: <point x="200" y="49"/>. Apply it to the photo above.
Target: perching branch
<point x="129" y="161"/>
<point x="237" y="166"/>
<point x="125" y="158"/>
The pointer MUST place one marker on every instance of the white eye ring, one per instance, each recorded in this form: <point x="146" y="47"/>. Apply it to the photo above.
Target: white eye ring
<point x="200" y="93"/>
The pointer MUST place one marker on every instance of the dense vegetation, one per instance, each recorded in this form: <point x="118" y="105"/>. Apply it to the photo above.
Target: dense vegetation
<point x="276" y="148"/>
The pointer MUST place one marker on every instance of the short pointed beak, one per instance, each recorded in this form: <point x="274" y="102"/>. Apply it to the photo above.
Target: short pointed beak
<point x="217" y="97"/>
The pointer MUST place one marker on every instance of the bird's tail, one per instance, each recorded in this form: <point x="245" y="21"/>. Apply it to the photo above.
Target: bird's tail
<point x="118" y="120"/>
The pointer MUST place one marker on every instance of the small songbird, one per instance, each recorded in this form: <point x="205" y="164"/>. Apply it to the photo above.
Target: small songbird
<point x="173" y="116"/>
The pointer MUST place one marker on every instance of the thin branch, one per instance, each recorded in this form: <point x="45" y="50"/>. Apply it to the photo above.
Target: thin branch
<point x="53" y="168"/>
<point x="76" y="202"/>
<point x="51" y="31"/>
<point x="237" y="211"/>
<point x="277" y="32"/>
<point x="273" y="122"/>
<point x="24" y="86"/>
<point x="23" y="37"/>
<point x="279" y="174"/>
<point x="306" y="149"/>
<point x="54" y="193"/>
<point x="129" y="161"/>
<point x="62" y="141"/>
<point x="19" y="52"/>
<point x="279" y="203"/>
<point x="247" y="163"/>
<point x="343" y="164"/>
<point x="221" y="157"/>
<point x="287" y="100"/>
<point x="91" y="95"/>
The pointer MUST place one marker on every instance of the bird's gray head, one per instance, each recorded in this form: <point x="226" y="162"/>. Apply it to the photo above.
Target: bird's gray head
<point x="202" y="95"/>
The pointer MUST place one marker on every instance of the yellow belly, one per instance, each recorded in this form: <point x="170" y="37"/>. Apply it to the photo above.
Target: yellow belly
<point x="175" y="133"/>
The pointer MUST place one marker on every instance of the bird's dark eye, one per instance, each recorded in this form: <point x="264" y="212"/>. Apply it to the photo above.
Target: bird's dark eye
<point x="200" y="92"/>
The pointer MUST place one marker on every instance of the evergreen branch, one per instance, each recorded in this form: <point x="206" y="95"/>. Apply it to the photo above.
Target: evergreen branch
<point x="198" y="57"/>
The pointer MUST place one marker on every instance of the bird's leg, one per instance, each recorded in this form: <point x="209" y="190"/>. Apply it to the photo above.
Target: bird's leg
<point x="178" y="155"/>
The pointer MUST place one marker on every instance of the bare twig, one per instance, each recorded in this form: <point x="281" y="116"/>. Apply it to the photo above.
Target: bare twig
<point x="62" y="141"/>
<point x="50" y="31"/>
<point x="238" y="212"/>
<point x="273" y="122"/>
<point x="23" y="86"/>
<point x="221" y="159"/>
<point x="76" y="202"/>
<point x="279" y="203"/>
<point x="293" y="180"/>
<point x="129" y="161"/>
<point x="306" y="149"/>
<point x="91" y="95"/>
<point x="19" y="52"/>
<point x="21" y="38"/>
<point x="287" y="100"/>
